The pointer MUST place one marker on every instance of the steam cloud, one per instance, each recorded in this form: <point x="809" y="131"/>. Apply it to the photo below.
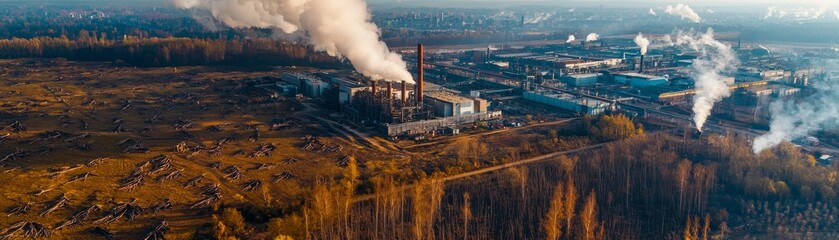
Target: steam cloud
<point x="538" y="17"/>
<point x="800" y="14"/>
<point x="642" y="42"/>
<point x="793" y="119"/>
<point x="683" y="11"/>
<point x="571" y="38"/>
<point x="592" y="37"/>
<point x="714" y="59"/>
<point x="341" y="28"/>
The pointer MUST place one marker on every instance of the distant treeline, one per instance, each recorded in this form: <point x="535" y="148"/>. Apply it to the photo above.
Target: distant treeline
<point x="166" y="51"/>
<point x="403" y="37"/>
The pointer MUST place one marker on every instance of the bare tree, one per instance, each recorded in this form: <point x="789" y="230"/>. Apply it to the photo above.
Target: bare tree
<point x="552" y="222"/>
<point x="588" y="217"/>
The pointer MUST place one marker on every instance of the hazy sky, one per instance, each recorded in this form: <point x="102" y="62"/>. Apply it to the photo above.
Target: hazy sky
<point x="832" y="4"/>
<point x="607" y="3"/>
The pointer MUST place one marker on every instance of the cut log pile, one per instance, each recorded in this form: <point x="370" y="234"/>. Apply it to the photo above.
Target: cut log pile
<point x="55" y="205"/>
<point x="79" y="216"/>
<point x="210" y="195"/>
<point x="129" y="211"/>
<point x="25" y="229"/>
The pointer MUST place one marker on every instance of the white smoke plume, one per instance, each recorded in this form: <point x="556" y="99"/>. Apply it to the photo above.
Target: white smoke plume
<point x="538" y="17"/>
<point x="798" y="14"/>
<point x="683" y="11"/>
<point x="798" y="118"/>
<point x="652" y="12"/>
<point x="571" y="38"/>
<point x="769" y="12"/>
<point x="592" y="37"/>
<point x="642" y="42"/>
<point x="342" y="28"/>
<point x="715" y="58"/>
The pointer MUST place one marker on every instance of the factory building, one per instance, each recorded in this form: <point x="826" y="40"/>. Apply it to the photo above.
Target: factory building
<point x="447" y="104"/>
<point x="640" y="80"/>
<point x="751" y="74"/>
<point x="581" y="80"/>
<point x="308" y="85"/>
<point x="568" y="63"/>
<point x="580" y="105"/>
<point x="287" y="89"/>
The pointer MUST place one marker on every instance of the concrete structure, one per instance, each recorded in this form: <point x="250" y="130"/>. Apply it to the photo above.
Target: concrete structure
<point x="287" y="89"/>
<point x="440" y="124"/>
<point x="481" y="105"/>
<point x="581" y="80"/>
<point x="308" y="85"/>
<point x="581" y="105"/>
<point x="447" y="104"/>
<point x="640" y="80"/>
<point x="347" y="89"/>
<point x="751" y="74"/>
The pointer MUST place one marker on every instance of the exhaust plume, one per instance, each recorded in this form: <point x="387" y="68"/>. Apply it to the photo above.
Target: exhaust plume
<point x="592" y="37"/>
<point x="571" y="38"/>
<point x="714" y="59"/>
<point x="797" y="118"/>
<point x="341" y="28"/>
<point x="538" y="17"/>
<point x="798" y="14"/>
<point x="769" y="12"/>
<point x="642" y="42"/>
<point x="683" y="11"/>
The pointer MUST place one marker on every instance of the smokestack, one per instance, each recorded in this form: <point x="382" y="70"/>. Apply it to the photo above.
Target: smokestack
<point x="641" y="66"/>
<point x="404" y="91"/>
<point x="420" y="72"/>
<point x="389" y="90"/>
<point x="374" y="87"/>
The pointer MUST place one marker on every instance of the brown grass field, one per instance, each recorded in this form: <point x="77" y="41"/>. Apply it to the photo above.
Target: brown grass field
<point x="46" y="96"/>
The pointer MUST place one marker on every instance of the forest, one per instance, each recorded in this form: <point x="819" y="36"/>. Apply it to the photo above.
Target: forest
<point x="646" y="186"/>
<point x="168" y="51"/>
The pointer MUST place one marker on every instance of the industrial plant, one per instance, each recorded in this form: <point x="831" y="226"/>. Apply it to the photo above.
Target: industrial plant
<point x="412" y="119"/>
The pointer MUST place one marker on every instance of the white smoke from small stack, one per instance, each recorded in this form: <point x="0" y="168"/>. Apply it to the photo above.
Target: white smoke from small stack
<point x="642" y="42"/>
<point x="592" y="37"/>
<point x="652" y="12"/>
<point x="571" y="38"/>
<point x="683" y="11"/>
<point x="799" y="14"/>
<point x="714" y="59"/>
<point x="341" y="28"/>
<point x="793" y="119"/>
<point x="769" y="12"/>
<point x="538" y="17"/>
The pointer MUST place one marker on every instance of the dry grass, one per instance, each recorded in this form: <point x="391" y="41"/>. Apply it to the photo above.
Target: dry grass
<point x="45" y="96"/>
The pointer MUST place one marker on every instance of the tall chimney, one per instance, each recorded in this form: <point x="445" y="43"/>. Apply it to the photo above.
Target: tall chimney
<point x="389" y="90"/>
<point x="404" y="91"/>
<point x="374" y="87"/>
<point x="420" y="72"/>
<point x="641" y="66"/>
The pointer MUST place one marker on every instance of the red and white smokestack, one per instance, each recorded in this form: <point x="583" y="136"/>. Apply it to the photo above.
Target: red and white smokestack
<point x="420" y="72"/>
